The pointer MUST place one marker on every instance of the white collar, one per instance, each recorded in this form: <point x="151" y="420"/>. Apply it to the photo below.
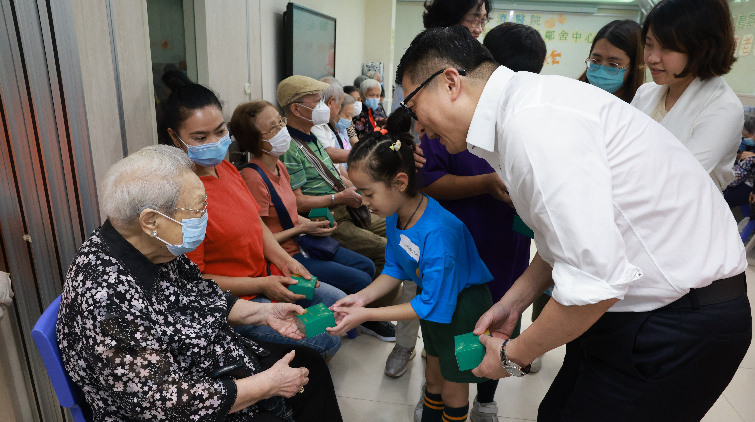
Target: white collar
<point x="482" y="128"/>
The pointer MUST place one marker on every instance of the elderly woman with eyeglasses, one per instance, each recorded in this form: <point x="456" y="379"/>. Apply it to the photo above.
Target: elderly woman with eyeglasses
<point x="147" y="337"/>
<point x="261" y="131"/>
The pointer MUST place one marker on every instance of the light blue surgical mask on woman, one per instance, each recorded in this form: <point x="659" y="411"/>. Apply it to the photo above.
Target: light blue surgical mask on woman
<point x="343" y="124"/>
<point x="372" y="103"/>
<point x="208" y="155"/>
<point x="604" y="80"/>
<point x="748" y="141"/>
<point x="193" y="231"/>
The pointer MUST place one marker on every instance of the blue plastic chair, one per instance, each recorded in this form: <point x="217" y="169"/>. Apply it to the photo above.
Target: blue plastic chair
<point x="69" y="395"/>
<point x="750" y="227"/>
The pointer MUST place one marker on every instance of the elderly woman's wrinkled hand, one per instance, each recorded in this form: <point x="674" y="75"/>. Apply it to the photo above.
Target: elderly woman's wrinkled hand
<point x="284" y="380"/>
<point x="282" y="317"/>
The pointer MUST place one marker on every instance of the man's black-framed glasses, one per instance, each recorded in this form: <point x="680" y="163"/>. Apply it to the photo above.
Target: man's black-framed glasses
<point x="462" y="72"/>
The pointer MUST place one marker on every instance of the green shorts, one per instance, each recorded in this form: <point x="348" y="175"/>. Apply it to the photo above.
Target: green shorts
<point x="439" y="338"/>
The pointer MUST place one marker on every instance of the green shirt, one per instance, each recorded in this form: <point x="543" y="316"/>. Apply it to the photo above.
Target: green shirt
<point x="303" y="174"/>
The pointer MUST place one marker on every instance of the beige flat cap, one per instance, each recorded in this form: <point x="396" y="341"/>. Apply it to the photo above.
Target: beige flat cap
<point x="297" y="86"/>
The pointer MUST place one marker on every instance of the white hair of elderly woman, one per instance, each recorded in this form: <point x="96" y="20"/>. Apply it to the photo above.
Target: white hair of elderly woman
<point x="367" y="84"/>
<point x="335" y="90"/>
<point x="347" y="100"/>
<point x="148" y="178"/>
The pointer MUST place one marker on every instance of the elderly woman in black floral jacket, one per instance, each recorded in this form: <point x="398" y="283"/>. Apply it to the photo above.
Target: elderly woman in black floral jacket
<point x="147" y="338"/>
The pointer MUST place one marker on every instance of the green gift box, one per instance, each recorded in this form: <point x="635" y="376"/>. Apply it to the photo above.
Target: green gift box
<point x="303" y="287"/>
<point x="322" y="214"/>
<point x="315" y="320"/>
<point x="522" y="228"/>
<point x="469" y="351"/>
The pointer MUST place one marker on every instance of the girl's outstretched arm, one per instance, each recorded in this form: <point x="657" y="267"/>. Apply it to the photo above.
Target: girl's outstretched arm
<point x="350" y="317"/>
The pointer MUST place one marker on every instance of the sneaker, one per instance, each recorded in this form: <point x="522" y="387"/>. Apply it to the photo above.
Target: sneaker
<point x="383" y="330"/>
<point x="483" y="412"/>
<point x="398" y="361"/>
<point x="536" y="365"/>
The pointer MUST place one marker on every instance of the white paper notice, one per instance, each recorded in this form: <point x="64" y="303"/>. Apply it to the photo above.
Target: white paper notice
<point x="409" y="247"/>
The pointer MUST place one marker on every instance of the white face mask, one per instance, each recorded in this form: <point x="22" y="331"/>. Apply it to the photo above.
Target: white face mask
<point x="320" y="114"/>
<point x="357" y="108"/>
<point x="280" y="143"/>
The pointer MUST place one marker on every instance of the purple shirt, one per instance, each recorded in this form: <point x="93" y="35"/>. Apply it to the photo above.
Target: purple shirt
<point x="505" y="252"/>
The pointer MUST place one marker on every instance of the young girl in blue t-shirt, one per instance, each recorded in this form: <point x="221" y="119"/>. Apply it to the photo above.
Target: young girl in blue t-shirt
<point x="430" y="246"/>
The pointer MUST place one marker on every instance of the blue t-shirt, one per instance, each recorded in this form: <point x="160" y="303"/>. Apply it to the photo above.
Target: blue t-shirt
<point x="441" y="248"/>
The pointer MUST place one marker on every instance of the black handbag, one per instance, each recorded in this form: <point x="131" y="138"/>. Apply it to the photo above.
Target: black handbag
<point x="359" y="216"/>
<point x="321" y="248"/>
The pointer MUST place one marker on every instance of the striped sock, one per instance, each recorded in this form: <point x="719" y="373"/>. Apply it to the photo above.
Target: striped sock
<point x="455" y="414"/>
<point x="432" y="408"/>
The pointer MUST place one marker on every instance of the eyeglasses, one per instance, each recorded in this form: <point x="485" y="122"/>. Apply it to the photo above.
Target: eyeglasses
<point x="477" y="21"/>
<point x="201" y="212"/>
<point x="462" y="72"/>
<point x="611" y="68"/>
<point x="278" y="126"/>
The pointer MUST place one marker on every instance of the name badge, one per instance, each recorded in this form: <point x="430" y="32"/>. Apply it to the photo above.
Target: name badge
<point x="409" y="247"/>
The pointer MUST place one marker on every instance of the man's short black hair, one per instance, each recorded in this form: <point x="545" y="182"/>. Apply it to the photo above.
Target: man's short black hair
<point x="439" y="48"/>
<point x="516" y="46"/>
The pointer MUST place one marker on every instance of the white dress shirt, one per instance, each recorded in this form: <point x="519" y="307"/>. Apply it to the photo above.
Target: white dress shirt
<point x="707" y="119"/>
<point x="620" y="208"/>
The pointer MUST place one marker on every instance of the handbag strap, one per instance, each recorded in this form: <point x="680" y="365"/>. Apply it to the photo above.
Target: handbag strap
<point x="326" y="174"/>
<point x="283" y="215"/>
<point x="337" y="135"/>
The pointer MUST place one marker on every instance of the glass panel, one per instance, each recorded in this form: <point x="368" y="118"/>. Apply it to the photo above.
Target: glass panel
<point x="172" y="42"/>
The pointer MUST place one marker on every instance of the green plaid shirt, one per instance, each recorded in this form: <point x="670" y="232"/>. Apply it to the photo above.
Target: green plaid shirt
<point x="303" y="174"/>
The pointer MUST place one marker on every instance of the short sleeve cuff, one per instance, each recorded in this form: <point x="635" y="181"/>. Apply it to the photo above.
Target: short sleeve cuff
<point x="433" y="314"/>
<point x="395" y="272"/>
<point x="576" y="287"/>
<point x="229" y="399"/>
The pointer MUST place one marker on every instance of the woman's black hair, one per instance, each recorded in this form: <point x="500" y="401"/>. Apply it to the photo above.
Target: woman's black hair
<point x="701" y="28"/>
<point x="185" y="97"/>
<point x="348" y="89"/>
<point x="626" y="35"/>
<point x="443" y="13"/>
<point x="382" y="163"/>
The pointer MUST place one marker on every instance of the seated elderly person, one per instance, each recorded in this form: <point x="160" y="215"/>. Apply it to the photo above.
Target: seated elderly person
<point x="326" y="133"/>
<point x="373" y="117"/>
<point x="318" y="184"/>
<point x="146" y="337"/>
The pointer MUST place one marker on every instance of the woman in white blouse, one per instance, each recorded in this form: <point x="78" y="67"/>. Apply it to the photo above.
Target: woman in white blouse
<point x="689" y="45"/>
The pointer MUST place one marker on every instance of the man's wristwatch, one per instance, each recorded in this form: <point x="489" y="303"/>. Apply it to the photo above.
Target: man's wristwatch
<point x="333" y="199"/>
<point x="512" y="368"/>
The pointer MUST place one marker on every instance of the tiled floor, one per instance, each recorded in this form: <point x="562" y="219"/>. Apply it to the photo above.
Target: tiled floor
<point x="366" y="394"/>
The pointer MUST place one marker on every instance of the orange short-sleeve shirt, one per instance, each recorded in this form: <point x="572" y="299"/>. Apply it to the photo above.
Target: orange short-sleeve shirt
<point x="232" y="246"/>
<point x="282" y="185"/>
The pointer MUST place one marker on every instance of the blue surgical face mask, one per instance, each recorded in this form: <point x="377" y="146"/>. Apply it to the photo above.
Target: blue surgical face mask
<point x="602" y="79"/>
<point x="748" y="141"/>
<point x="372" y="103"/>
<point x="343" y="124"/>
<point x="208" y="155"/>
<point x="193" y="230"/>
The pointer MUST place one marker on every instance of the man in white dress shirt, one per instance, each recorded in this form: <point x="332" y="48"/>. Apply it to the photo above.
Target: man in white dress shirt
<point x="650" y="294"/>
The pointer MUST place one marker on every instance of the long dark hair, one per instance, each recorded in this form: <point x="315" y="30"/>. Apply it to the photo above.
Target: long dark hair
<point x="185" y="97"/>
<point x="625" y="35"/>
<point x="375" y="157"/>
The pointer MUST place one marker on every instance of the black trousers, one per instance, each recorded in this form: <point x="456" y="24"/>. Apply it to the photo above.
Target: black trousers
<point x="666" y="365"/>
<point x="318" y="402"/>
